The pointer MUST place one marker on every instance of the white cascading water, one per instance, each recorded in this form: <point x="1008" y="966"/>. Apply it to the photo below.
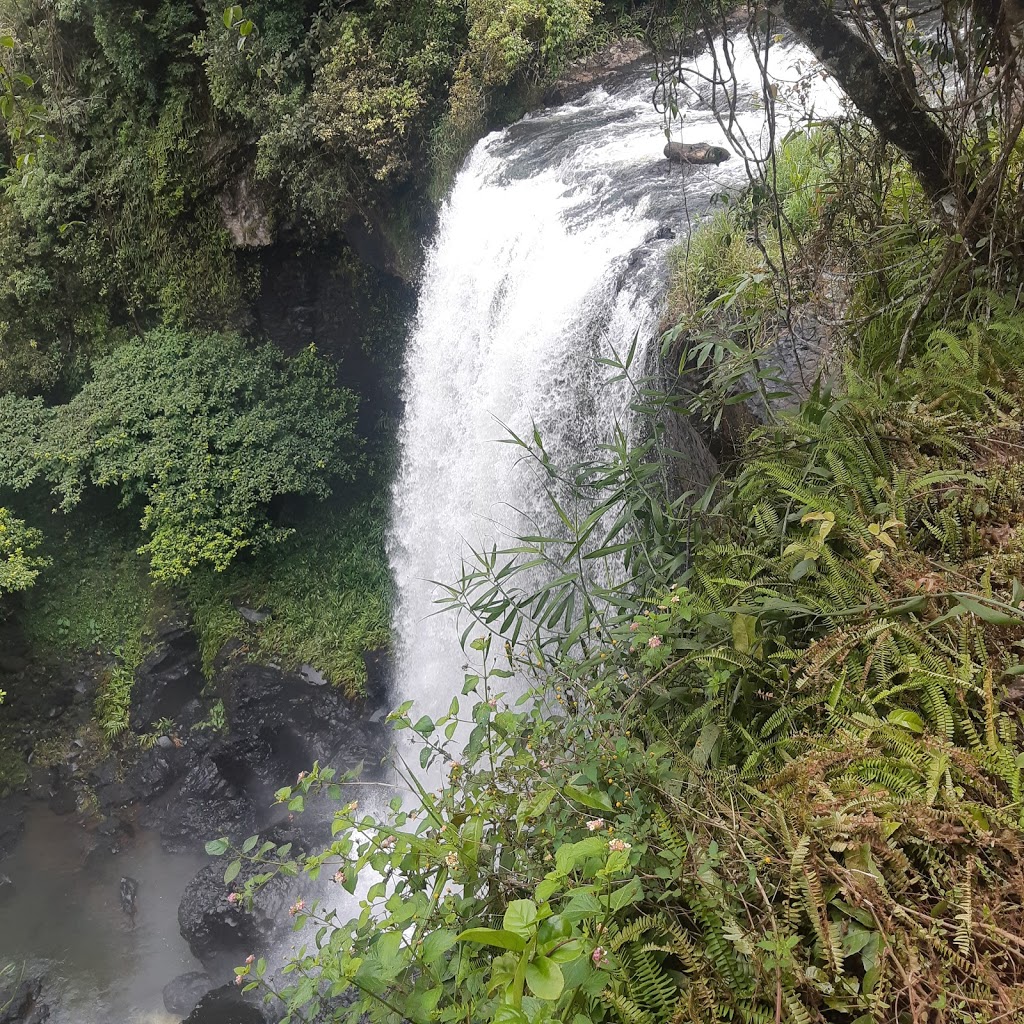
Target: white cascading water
<point x="549" y="253"/>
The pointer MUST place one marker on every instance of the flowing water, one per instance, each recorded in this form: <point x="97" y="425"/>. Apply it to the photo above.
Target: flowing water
<point x="550" y="252"/>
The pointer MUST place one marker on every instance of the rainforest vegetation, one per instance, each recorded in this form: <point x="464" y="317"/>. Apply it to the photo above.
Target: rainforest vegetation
<point x="772" y="769"/>
<point x="165" y="168"/>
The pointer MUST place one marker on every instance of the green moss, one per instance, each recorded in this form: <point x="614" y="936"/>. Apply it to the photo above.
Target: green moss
<point x="327" y="588"/>
<point x="97" y="597"/>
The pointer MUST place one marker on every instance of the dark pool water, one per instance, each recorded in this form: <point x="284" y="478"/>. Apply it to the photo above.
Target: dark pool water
<point x="65" y="909"/>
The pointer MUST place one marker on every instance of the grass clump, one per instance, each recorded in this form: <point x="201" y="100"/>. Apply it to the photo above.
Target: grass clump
<point x="327" y="588"/>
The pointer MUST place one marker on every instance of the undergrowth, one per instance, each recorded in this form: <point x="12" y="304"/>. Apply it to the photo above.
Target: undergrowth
<point x="100" y="599"/>
<point x="326" y="589"/>
<point x="774" y="775"/>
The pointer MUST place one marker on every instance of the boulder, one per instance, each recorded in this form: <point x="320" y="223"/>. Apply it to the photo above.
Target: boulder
<point x="21" y="1002"/>
<point x="185" y="992"/>
<point x="169" y="678"/>
<point x="281" y="722"/>
<point x="225" y="1006"/>
<point x="696" y="153"/>
<point x="208" y="801"/>
<point x="221" y="933"/>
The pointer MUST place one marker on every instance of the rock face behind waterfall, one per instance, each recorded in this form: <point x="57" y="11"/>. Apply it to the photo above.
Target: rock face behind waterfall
<point x="217" y="780"/>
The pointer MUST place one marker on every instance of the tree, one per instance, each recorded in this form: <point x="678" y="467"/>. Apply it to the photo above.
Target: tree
<point x="19" y="562"/>
<point x="203" y="431"/>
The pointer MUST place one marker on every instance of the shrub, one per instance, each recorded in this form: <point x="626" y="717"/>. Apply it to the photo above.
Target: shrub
<point x="19" y="563"/>
<point x="203" y="429"/>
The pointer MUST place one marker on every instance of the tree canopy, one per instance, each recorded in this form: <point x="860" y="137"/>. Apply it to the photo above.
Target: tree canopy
<point x="202" y="431"/>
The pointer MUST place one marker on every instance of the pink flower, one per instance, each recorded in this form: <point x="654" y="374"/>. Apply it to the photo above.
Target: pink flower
<point x="250" y="959"/>
<point x="634" y="626"/>
<point x="301" y="776"/>
<point x="297" y="907"/>
<point x="238" y="979"/>
<point x="599" y="956"/>
<point x="655" y="641"/>
<point x="593" y="826"/>
<point x="234" y="897"/>
<point x="618" y="846"/>
<point x="339" y="877"/>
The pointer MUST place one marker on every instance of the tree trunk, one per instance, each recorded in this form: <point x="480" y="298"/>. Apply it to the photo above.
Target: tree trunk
<point x="878" y="90"/>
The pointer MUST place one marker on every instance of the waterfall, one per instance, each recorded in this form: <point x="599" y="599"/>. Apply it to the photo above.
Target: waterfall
<point x="549" y="252"/>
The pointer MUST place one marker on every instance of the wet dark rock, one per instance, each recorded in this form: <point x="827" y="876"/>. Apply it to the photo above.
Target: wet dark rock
<point x="21" y="1001"/>
<point x="597" y="69"/>
<point x="115" y="831"/>
<point x="12" y="821"/>
<point x="226" y="1006"/>
<point x="311" y="675"/>
<point x="111" y="788"/>
<point x="6" y="888"/>
<point x="156" y="770"/>
<point x="379" y="673"/>
<point x="169" y="678"/>
<point x="64" y="799"/>
<point x="204" y="804"/>
<point x="12" y="664"/>
<point x="182" y="995"/>
<point x="696" y="153"/>
<point x="282" y="723"/>
<point x="220" y="933"/>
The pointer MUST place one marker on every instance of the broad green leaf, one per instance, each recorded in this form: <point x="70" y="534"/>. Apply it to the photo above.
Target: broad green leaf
<point x="567" y="952"/>
<point x="493" y="937"/>
<point x="505" y="1014"/>
<point x="631" y="892"/>
<point x="595" y="799"/>
<point x="544" y="977"/>
<point x="744" y="632"/>
<point x="532" y="807"/>
<point x="436" y="944"/>
<point x="217" y="847"/>
<point x="232" y="871"/>
<point x="520" y="918"/>
<point x="569" y="855"/>
<point x="907" y="720"/>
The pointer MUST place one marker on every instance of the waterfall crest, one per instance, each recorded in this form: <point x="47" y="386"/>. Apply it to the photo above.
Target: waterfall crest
<point x="550" y="251"/>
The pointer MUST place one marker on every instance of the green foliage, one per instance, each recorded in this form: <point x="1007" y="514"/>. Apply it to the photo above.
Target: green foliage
<point x="99" y="600"/>
<point x="774" y="774"/>
<point x="727" y="265"/>
<point x="20" y="564"/>
<point x="216" y="720"/>
<point x="204" y="429"/>
<point x="327" y="588"/>
<point x="113" y="702"/>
